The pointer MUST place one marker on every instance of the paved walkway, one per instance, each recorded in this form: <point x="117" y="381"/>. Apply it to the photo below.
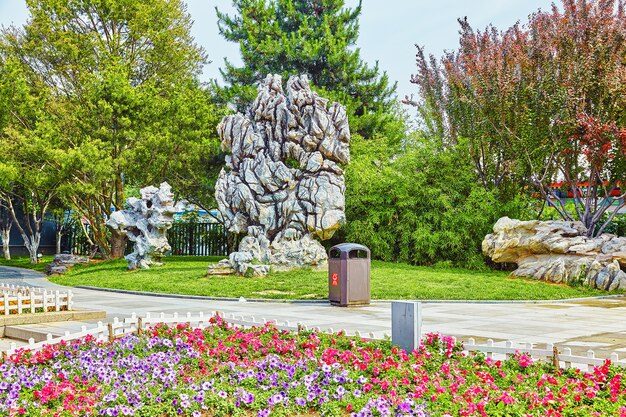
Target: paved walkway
<point x="19" y="276"/>
<point x="596" y="324"/>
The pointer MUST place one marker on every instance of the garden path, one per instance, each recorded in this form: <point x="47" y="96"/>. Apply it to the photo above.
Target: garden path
<point x="19" y="276"/>
<point x="596" y="324"/>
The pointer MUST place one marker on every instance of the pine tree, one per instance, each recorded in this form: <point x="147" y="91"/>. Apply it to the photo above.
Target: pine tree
<point x="313" y="37"/>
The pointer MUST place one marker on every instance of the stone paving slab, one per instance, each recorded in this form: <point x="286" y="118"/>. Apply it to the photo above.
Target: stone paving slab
<point x="39" y="331"/>
<point x="49" y="317"/>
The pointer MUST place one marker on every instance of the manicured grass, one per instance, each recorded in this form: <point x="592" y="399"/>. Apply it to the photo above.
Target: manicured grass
<point x="187" y="275"/>
<point x="24" y="262"/>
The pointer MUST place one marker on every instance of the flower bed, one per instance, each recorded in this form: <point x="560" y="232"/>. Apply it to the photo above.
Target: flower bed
<point x="262" y="371"/>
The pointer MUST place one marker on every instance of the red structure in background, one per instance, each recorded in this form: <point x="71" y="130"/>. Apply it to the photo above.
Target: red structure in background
<point x="557" y="186"/>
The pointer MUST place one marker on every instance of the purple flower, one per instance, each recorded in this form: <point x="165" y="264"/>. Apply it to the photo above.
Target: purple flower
<point x="405" y="407"/>
<point x="300" y="401"/>
<point x="247" y="398"/>
<point x="275" y="399"/>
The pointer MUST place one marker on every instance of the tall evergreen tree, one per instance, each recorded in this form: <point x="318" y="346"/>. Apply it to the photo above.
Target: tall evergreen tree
<point x="314" y="37"/>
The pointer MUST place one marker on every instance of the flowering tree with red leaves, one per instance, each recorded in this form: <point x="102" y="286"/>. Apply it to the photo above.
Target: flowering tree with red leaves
<point x="593" y="163"/>
<point x="538" y="103"/>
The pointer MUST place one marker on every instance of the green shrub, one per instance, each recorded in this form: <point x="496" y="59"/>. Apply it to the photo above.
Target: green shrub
<point x="422" y="204"/>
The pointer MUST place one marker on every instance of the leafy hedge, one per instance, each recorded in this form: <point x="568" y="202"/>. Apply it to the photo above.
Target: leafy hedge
<point x="421" y="204"/>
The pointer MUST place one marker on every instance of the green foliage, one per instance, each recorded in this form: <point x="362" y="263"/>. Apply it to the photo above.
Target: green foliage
<point x="421" y="205"/>
<point x="184" y="146"/>
<point x="130" y="105"/>
<point x="34" y="161"/>
<point x="316" y="38"/>
<point x="540" y="102"/>
<point x="617" y="226"/>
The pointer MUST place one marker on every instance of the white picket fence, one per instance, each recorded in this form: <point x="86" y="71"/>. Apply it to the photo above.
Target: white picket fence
<point x="20" y="300"/>
<point x="562" y="359"/>
<point x="135" y="324"/>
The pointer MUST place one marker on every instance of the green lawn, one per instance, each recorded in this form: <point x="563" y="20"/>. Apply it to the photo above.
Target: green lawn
<point x="24" y="262"/>
<point x="186" y="275"/>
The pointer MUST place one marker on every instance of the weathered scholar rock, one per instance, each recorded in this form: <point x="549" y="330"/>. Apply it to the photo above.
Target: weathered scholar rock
<point x="282" y="184"/>
<point x="62" y="262"/>
<point x="146" y="223"/>
<point x="558" y="251"/>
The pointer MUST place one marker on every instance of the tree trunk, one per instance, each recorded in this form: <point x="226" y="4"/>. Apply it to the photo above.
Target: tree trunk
<point x="118" y="245"/>
<point x="31" y="231"/>
<point x="5" y="233"/>
<point x="32" y="245"/>
<point x="59" y="235"/>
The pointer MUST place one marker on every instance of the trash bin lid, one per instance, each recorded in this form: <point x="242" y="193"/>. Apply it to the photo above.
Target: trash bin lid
<point x="347" y="247"/>
<point x="343" y="251"/>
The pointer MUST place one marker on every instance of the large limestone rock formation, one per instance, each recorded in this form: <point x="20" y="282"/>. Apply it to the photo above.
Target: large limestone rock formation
<point x="283" y="184"/>
<point x="559" y="251"/>
<point x="146" y="223"/>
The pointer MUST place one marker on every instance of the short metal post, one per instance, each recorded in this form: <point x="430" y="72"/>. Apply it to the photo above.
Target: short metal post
<point x="406" y="324"/>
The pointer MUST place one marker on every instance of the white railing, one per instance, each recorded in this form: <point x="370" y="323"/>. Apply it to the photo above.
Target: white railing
<point x="136" y="324"/>
<point x="561" y="359"/>
<point x="20" y="300"/>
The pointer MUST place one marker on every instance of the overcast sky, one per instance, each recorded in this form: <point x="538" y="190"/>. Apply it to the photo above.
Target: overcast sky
<point x="389" y="29"/>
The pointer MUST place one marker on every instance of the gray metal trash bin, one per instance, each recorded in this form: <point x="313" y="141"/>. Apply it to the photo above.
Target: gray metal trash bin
<point x="349" y="275"/>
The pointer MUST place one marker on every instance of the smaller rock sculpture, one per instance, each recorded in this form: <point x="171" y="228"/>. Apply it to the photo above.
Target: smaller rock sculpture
<point x="146" y="223"/>
<point x="558" y="251"/>
<point x="62" y="262"/>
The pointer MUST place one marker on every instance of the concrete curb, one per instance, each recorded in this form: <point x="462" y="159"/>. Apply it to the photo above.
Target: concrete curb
<point x="284" y="301"/>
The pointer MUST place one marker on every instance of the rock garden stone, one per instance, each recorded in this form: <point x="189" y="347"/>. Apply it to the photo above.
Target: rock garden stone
<point x="560" y="252"/>
<point x="283" y="184"/>
<point x="62" y="262"/>
<point x="145" y="223"/>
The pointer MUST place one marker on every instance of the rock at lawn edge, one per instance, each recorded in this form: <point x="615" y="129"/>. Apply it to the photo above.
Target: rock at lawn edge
<point x="558" y="251"/>
<point x="62" y="262"/>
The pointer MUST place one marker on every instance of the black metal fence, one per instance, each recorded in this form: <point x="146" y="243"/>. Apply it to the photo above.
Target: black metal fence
<point x="198" y="239"/>
<point x="191" y="239"/>
<point x="74" y="241"/>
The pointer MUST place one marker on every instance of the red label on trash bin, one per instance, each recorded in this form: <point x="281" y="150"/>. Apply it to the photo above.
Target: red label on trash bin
<point x="334" y="280"/>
